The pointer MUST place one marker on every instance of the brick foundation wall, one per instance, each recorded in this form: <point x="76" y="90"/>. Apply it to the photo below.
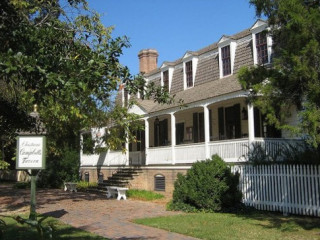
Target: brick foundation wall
<point x="145" y="179"/>
<point x="93" y="173"/>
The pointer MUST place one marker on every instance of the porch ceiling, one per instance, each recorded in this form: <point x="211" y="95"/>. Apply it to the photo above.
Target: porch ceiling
<point x="201" y="92"/>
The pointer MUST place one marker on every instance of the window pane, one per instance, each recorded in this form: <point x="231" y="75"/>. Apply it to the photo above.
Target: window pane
<point x="189" y="74"/>
<point x="226" y="60"/>
<point x="262" y="49"/>
<point x="166" y="79"/>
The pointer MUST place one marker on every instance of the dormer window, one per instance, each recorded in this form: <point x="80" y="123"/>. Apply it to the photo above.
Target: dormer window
<point x="227" y="51"/>
<point x="190" y="63"/>
<point x="226" y="60"/>
<point x="262" y="43"/>
<point x="262" y="48"/>
<point x="189" y="74"/>
<point x="166" y="79"/>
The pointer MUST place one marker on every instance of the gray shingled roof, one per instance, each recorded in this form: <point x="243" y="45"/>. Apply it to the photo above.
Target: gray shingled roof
<point x="207" y="80"/>
<point x="201" y="92"/>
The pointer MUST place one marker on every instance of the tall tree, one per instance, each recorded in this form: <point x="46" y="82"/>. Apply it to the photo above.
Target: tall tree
<point x="293" y="79"/>
<point x="60" y="56"/>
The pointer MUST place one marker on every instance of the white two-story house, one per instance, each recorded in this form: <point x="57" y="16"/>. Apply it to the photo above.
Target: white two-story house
<point x="216" y="117"/>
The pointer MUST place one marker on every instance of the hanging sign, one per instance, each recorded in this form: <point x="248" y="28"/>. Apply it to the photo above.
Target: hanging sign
<point x="31" y="152"/>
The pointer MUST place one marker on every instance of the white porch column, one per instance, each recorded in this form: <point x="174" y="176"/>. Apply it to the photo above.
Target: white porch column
<point x="146" y="132"/>
<point x="206" y="130"/>
<point x="173" y="137"/>
<point x="250" y="123"/>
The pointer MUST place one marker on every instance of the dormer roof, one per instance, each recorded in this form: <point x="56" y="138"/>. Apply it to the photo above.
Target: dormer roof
<point x="259" y="24"/>
<point x="167" y="64"/>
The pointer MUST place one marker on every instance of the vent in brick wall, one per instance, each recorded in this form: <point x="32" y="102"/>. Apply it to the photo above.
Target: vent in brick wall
<point x="86" y="177"/>
<point x="159" y="183"/>
<point x="100" y="178"/>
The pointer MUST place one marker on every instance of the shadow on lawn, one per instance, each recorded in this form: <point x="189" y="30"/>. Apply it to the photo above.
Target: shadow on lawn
<point x="276" y="220"/>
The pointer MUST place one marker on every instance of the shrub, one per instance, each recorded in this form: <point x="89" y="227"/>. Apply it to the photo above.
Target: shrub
<point x="209" y="185"/>
<point x="60" y="168"/>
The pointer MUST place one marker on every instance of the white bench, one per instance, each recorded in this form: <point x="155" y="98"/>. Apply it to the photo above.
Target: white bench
<point x="71" y="186"/>
<point x="113" y="191"/>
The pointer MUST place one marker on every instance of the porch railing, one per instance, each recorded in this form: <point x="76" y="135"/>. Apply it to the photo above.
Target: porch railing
<point x="111" y="158"/>
<point x="159" y="155"/>
<point x="230" y="150"/>
<point x="137" y="158"/>
<point x="190" y="153"/>
<point x="274" y="147"/>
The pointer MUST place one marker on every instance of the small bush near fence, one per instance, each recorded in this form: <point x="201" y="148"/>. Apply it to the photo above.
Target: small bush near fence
<point x="209" y="185"/>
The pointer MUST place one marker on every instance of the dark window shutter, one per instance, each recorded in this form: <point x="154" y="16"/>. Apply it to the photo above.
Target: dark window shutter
<point x="201" y="126"/>
<point x="195" y="127"/>
<point x="221" y="122"/>
<point x="257" y="123"/>
<point x="156" y="132"/>
<point x="237" y="122"/>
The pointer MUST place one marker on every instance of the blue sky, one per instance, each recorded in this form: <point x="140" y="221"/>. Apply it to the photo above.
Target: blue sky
<point x="172" y="26"/>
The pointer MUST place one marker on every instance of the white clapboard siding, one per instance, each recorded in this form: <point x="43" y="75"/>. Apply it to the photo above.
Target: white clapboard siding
<point x="291" y="189"/>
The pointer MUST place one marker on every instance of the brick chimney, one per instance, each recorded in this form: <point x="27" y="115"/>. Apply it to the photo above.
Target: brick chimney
<point x="148" y="60"/>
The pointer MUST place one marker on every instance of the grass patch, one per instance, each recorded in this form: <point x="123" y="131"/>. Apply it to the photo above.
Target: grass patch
<point x="82" y="185"/>
<point x="225" y="226"/>
<point x="15" y="231"/>
<point x="144" y="195"/>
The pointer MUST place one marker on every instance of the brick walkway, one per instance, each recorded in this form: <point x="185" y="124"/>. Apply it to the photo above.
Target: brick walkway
<point x="91" y="212"/>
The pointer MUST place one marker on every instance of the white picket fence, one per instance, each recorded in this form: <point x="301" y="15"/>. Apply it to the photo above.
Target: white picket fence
<point x="291" y="189"/>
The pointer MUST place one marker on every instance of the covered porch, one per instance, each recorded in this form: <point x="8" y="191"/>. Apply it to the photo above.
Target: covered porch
<point x="180" y="136"/>
<point x="227" y="128"/>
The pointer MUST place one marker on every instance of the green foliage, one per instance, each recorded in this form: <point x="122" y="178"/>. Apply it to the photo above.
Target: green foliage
<point x="209" y="185"/>
<point x="2" y="227"/>
<point x="22" y="185"/>
<point x="292" y="153"/>
<point x="60" y="168"/>
<point x="59" y="55"/>
<point x="294" y="78"/>
<point x="3" y="164"/>
<point x="143" y="195"/>
<point x="82" y="185"/>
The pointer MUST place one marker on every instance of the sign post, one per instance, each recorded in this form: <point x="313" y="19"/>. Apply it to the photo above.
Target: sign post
<point x="31" y="152"/>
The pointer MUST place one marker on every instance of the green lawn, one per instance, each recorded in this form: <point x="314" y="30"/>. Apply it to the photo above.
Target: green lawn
<point x="16" y="231"/>
<point x="220" y="226"/>
<point x="143" y="195"/>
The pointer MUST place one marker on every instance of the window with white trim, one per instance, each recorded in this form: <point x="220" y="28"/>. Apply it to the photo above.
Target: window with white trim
<point x="261" y="48"/>
<point x="189" y="74"/>
<point x="261" y="43"/>
<point x="166" y="79"/>
<point x="227" y="52"/>
<point x="226" y="60"/>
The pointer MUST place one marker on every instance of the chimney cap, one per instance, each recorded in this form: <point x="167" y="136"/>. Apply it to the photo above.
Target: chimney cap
<point x="148" y="51"/>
